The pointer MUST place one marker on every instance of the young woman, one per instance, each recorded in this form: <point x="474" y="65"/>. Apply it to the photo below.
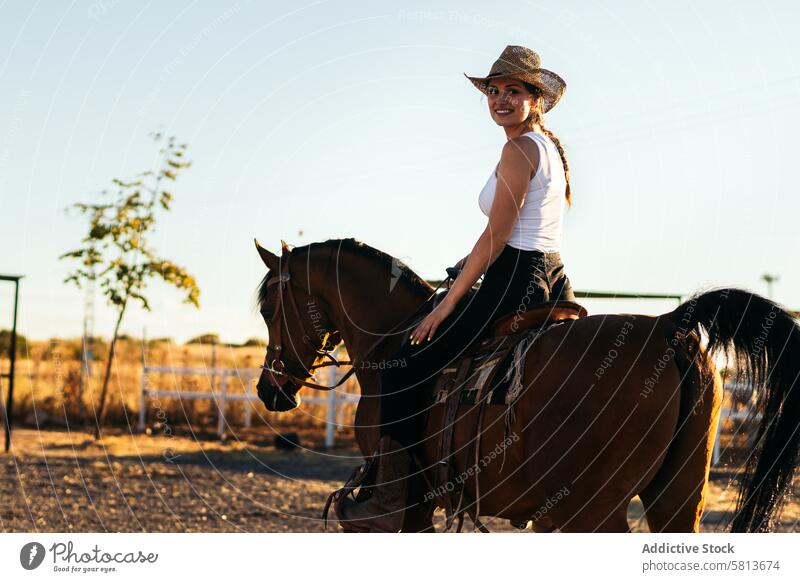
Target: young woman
<point x="518" y="252"/>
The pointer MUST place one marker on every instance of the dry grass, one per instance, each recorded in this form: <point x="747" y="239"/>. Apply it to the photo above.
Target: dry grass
<point x="48" y="390"/>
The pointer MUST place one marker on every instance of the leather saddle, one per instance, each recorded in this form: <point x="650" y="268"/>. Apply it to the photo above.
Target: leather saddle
<point x="536" y="316"/>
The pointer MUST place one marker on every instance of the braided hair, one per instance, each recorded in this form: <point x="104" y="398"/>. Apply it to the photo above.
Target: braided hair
<point x="537" y="117"/>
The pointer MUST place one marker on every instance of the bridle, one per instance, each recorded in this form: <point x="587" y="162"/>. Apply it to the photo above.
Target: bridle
<point x="273" y="363"/>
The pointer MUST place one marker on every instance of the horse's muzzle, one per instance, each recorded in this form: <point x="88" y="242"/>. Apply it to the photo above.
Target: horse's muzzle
<point x="277" y="398"/>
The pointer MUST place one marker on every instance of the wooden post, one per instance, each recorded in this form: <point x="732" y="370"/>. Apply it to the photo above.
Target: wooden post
<point x="223" y="388"/>
<point x="248" y="405"/>
<point x="330" y="422"/>
<point x="143" y="400"/>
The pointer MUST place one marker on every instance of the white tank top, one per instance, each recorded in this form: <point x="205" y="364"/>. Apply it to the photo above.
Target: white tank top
<point x="540" y="220"/>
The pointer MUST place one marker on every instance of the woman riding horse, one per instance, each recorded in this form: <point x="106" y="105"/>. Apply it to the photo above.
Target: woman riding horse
<point x="518" y="251"/>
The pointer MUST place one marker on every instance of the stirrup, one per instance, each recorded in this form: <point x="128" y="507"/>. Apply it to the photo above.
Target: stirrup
<point x="355" y="481"/>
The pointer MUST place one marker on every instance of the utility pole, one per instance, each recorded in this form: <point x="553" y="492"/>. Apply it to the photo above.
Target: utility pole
<point x="769" y="279"/>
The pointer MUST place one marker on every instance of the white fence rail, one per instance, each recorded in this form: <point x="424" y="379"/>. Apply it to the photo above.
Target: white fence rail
<point x="332" y="399"/>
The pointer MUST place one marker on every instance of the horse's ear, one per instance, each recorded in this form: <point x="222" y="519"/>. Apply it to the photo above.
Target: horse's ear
<point x="284" y="248"/>
<point x="271" y="261"/>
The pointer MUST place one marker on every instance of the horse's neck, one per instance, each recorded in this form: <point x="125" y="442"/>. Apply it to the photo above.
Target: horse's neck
<point x="371" y="318"/>
<point x="364" y="310"/>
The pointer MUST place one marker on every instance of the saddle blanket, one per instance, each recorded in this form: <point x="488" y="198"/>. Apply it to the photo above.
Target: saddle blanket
<point x="496" y="369"/>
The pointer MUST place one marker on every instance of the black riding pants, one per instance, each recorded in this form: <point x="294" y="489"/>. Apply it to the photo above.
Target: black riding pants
<point x="513" y="282"/>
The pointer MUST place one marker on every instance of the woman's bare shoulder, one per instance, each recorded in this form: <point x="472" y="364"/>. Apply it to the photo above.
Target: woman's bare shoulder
<point x="521" y="152"/>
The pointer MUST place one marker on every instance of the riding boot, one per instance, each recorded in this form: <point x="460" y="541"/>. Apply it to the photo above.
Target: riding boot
<point x="383" y="511"/>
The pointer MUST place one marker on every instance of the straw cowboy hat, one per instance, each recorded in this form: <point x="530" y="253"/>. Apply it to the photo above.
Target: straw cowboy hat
<point x="522" y="63"/>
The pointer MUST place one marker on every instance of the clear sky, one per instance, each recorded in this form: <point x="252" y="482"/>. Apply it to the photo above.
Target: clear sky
<point x="354" y="119"/>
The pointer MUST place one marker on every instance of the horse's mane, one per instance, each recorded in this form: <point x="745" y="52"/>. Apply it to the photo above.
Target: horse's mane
<point x="361" y="249"/>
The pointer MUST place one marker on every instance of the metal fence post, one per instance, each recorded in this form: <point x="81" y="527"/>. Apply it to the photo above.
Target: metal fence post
<point x="8" y="413"/>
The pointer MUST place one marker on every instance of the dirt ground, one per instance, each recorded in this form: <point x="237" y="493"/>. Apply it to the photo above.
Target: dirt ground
<point x="65" y="481"/>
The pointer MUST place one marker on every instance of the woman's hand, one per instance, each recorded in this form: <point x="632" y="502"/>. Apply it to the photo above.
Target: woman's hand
<point x="427" y="328"/>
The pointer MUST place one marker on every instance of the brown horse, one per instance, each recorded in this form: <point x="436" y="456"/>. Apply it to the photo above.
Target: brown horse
<point x="614" y="406"/>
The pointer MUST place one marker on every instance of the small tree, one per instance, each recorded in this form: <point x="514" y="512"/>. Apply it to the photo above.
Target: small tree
<point x="116" y="253"/>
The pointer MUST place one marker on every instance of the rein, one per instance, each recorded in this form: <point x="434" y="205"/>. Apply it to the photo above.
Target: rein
<point x="275" y="365"/>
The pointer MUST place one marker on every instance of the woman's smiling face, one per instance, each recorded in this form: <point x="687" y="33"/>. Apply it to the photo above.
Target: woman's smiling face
<point x="510" y="102"/>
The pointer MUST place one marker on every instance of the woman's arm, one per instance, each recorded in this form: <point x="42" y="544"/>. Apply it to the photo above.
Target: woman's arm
<point x="519" y="159"/>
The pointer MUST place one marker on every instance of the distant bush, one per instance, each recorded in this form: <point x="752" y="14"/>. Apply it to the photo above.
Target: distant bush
<point x="206" y="338"/>
<point x="254" y="342"/>
<point x="72" y="349"/>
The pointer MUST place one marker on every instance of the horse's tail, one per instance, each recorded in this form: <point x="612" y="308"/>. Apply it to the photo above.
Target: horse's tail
<point x="764" y="341"/>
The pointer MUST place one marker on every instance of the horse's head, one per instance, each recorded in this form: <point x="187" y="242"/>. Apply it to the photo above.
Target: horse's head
<point x="299" y="332"/>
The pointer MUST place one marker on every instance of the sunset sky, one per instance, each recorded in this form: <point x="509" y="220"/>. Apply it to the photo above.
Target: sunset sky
<point x="343" y="119"/>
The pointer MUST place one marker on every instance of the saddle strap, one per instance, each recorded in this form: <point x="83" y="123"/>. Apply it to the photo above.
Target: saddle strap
<point x="471" y="510"/>
<point x="451" y="402"/>
<point x="483" y="397"/>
